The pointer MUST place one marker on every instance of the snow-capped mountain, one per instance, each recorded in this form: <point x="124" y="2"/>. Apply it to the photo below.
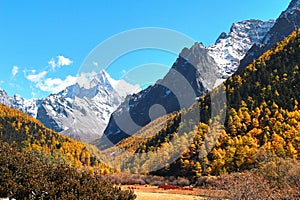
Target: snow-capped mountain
<point x="230" y="48"/>
<point x="81" y="111"/>
<point x="4" y="98"/>
<point x="285" y="24"/>
<point x="28" y="106"/>
<point x="246" y="41"/>
<point x="203" y="68"/>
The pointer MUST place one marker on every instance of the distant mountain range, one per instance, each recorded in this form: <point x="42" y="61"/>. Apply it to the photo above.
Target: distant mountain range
<point x="80" y="112"/>
<point x="84" y="113"/>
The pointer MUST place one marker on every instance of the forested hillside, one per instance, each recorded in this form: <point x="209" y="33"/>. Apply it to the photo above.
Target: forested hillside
<point x="262" y="120"/>
<point x="29" y="134"/>
<point x="38" y="163"/>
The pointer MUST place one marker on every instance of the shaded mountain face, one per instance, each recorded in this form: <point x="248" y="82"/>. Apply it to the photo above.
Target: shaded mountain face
<point x="199" y="69"/>
<point x="193" y="73"/>
<point x="288" y="21"/>
<point x="80" y="112"/>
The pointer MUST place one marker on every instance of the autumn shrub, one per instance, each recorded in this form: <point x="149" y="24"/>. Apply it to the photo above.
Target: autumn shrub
<point x="275" y="171"/>
<point x="27" y="175"/>
<point x="276" y="179"/>
<point x="141" y="179"/>
<point x="183" y="182"/>
<point x="293" y="176"/>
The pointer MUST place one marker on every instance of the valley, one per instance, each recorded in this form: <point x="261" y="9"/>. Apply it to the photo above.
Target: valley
<point x="223" y="123"/>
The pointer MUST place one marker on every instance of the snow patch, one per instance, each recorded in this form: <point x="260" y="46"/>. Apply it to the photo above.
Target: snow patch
<point x="230" y="48"/>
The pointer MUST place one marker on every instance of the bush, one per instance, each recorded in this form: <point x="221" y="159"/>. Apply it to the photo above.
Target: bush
<point x="23" y="175"/>
<point x="183" y="182"/>
<point x="275" y="179"/>
<point x="140" y="179"/>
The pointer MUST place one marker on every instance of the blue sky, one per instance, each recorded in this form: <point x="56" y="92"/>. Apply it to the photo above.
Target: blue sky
<point x="44" y="43"/>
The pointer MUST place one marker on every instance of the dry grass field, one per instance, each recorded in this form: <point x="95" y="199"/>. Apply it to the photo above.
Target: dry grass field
<point x="167" y="196"/>
<point x="146" y="192"/>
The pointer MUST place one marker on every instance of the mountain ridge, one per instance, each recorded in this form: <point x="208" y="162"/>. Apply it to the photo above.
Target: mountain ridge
<point x="86" y="105"/>
<point x="198" y="66"/>
<point x="285" y="24"/>
<point x="261" y="123"/>
<point x="230" y="48"/>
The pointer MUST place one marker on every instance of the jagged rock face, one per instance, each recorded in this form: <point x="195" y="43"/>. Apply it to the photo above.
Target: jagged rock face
<point x="230" y="48"/>
<point x="4" y="98"/>
<point x="288" y="21"/>
<point x="193" y="73"/>
<point x="28" y="106"/>
<point x="198" y="68"/>
<point x="80" y="112"/>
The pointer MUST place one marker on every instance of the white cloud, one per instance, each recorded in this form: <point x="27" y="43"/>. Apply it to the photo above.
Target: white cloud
<point x="59" y="61"/>
<point x="52" y="63"/>
<point x="55" y="85"/>
<point x="85" y="79"/>
<point x="36" y="78"/>
<point x="95" y="63"/>
<point x="15" y="70"/>
<point x="63" y="61"/>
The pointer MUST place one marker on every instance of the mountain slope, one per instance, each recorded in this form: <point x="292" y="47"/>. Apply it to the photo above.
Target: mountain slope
<point x="263" y="120"/>
<point x="262" y="116"/>
<point x="30" y="134"/>
<point x="193" y="73"/>
<point x="288" y="21"/>
<point x="199" y="68"/>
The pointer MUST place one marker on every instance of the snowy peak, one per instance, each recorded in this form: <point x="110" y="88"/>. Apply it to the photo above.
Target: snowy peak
<point x="285" y="24"/>
<point x="222" y="36"/>
<point x="230" y="48"/>
<point x="104" y="81"/>
<point x="254" y="30"/>
<point x="28" y="106"/>
<point x="89" y="85"/>
<point x="4" y="98"/>
<point x="120" y="86"/>
<point x="82" y="110"/>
